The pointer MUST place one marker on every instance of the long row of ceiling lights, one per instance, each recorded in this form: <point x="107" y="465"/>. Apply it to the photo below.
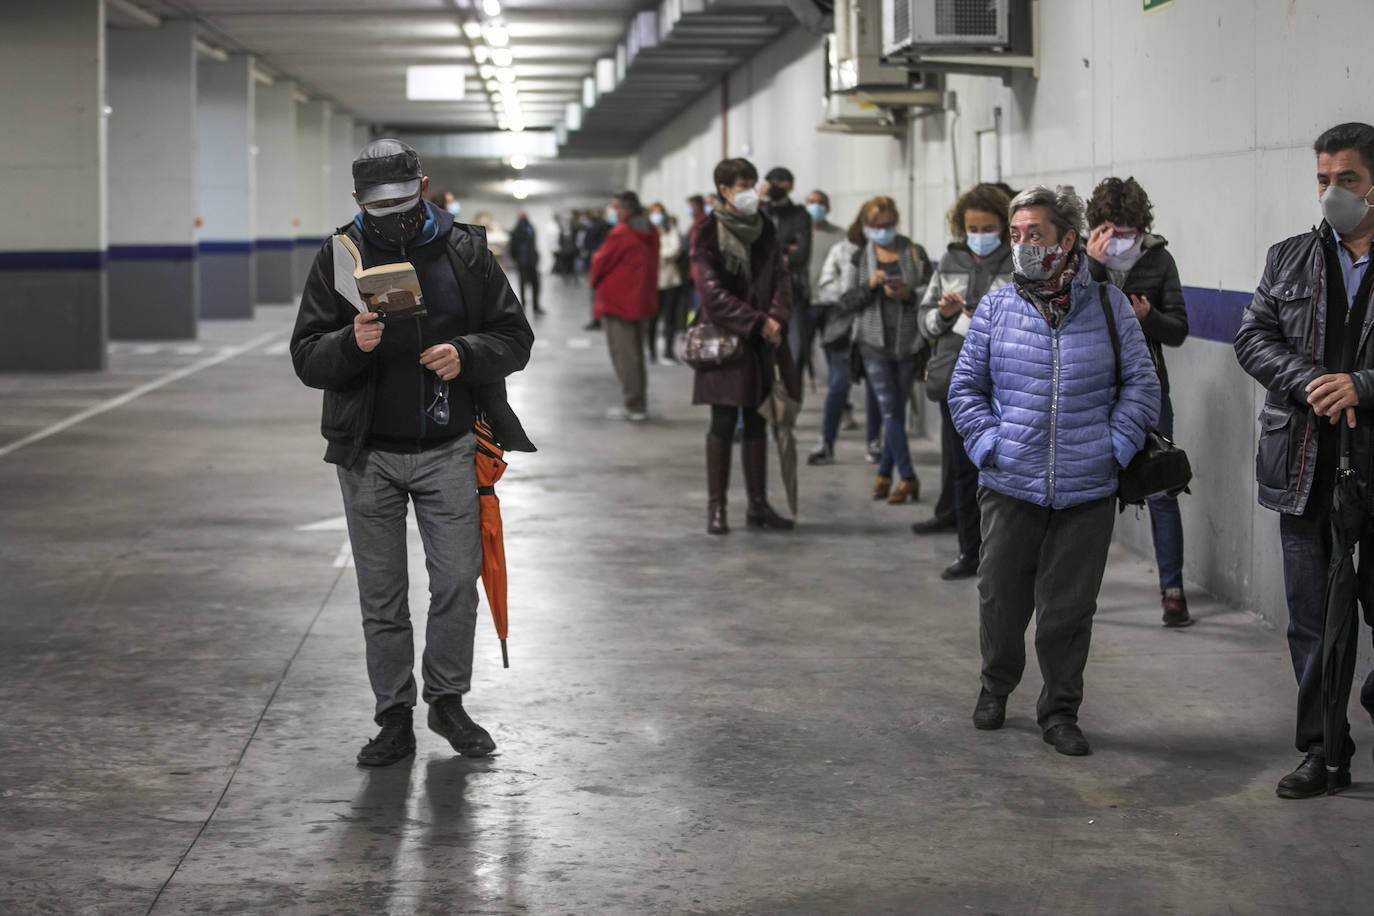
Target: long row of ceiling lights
<point x="496" y="65"/>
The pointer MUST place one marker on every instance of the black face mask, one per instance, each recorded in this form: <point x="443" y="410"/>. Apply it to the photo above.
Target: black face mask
<point x="398" y="228"/>
<point x="776" y="193"/>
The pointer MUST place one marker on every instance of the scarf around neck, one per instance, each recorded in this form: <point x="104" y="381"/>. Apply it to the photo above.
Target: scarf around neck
<point x="1051" y="297"/>
<point x="737" y="234"/>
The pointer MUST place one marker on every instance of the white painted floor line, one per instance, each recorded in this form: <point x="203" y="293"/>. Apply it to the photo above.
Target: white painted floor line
<point x="225" y="354"/>
<point x="344" y="558"/>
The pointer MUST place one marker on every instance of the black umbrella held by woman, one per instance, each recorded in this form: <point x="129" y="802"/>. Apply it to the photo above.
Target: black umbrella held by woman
<point x="1349" y="523"/>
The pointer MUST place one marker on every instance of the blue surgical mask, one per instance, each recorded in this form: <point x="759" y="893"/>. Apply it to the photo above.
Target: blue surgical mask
<point x="984" y="243"/>
<point x="612" y="216"/>
<point x="455" y="208"/>
<point x="708" y="209"/>
<point x="656" y="218"/>
<point x="817" y="211"/>
<point x="881" y="237"/>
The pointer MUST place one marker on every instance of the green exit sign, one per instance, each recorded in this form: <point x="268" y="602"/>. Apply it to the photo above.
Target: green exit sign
<point x="1152" y="5"/>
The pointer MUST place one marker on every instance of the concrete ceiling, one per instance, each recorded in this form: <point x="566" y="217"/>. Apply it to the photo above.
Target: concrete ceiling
<point x="355" y="53"/>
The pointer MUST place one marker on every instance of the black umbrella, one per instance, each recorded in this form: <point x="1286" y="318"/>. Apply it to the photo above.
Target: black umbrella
<point x="1349" y="523"/>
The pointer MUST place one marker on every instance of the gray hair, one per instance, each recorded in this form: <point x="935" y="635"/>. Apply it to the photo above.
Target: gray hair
<point x="1063" y="204"/>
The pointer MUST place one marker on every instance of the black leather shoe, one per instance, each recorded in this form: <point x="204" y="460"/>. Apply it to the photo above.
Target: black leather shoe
<point x="936" y="525"/>
<point x="394" y="743"/>
<point x="962" y="568"/>
<point x="450" y="721"/>
<point x="1311" y="779"/>
<point x="990" y="712"/>
<point x="1067" y="739"/>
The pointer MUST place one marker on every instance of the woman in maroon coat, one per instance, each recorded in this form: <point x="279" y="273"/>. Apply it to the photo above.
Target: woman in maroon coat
<point x="742" y="280"/>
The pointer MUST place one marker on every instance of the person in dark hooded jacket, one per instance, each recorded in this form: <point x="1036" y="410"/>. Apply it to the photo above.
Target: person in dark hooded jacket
<point x="400" y="399"/>
<point x="1123" y="252"/>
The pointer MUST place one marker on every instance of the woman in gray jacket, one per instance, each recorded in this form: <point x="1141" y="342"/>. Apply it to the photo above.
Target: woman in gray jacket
<point x="977" y="262"/>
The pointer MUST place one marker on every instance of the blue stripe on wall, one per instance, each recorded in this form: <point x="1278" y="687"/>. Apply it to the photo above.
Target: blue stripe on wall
<point x="225" y="247"/>
<point x="1214" y="314"/>
<point x="52" y="260"/>
<point x="275" y="243"/>
<point x="308" y="242"/>
<point x="152" y="252"/>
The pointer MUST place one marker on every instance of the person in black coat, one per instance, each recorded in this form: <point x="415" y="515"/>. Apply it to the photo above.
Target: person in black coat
<point x="1122" y="251"/>
<point x="525" y="251"/>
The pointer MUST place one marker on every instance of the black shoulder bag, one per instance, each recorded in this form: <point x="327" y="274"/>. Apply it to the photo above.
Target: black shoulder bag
<point x="1160" y="467"/>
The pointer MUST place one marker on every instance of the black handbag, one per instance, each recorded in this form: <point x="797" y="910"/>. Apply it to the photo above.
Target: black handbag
<point x="1160" y="468"/>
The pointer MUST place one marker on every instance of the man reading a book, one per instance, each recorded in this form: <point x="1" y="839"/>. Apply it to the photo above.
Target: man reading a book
<point x="402" y="390"/>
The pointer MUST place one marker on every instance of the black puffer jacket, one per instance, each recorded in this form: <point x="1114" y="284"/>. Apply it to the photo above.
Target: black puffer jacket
<point x="1155" y="276"/>
<point x="497" y="343"/>
<point x="1282" y="344"/>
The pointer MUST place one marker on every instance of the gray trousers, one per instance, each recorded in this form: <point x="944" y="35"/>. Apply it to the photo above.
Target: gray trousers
<point x="1047" y="563"/>
<point x="625" y="340"/>
<point x="442" y="482"/>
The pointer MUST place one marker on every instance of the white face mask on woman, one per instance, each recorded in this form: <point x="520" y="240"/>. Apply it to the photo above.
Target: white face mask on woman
<point x="746" y="203"/>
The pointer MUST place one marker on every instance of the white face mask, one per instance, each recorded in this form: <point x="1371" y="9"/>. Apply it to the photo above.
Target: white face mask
<point x="746" y="203"/>
<point x="403" y="206"/>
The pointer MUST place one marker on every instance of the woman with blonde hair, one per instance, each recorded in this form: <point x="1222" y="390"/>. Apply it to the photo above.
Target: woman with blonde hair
<point x="891" y="271"/>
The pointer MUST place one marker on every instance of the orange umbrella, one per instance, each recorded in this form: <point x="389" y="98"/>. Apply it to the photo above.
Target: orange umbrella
<point x="490" y="466"/>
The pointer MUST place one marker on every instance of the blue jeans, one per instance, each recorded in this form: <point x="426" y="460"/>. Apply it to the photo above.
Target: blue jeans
<point x="1166" y="525"/>
<point x="837" y="395"/>
<point x="890" y="380"/>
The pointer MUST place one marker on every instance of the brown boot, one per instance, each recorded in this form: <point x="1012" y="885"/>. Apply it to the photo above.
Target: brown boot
<point x="906" y="489"/>
<point x="717" y="482"/>
<point x="882" y="487"/>
<point x="760" y="515"/>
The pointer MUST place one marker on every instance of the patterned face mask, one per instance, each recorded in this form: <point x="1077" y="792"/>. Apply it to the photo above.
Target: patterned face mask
<point x="399" y="224"/>
<point x="1037" y="262"/>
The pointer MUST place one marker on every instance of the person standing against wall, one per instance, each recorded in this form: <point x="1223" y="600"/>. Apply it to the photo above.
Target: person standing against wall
<point x="400" y="399"/>
<point x="625" y="276"/>
<point x="1050" y="414"/>
<point x="525" y="252"/>
<point x="1306" y="338"/>
<point x="891" y="271"/>
<point x="1122" y="251"/>
<point x="742" y="279"/>
<point x="669" y="284"/>
<point x="976" y="262"/>
<point x="596" y="227"/>
<point x="794" y="236"/>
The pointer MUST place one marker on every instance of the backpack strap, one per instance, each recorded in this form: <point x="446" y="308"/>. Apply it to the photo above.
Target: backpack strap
<point x="1111" y="328"/>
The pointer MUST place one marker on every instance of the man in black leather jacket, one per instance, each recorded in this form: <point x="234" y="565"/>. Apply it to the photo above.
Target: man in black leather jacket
<point x="401" y="395"/>
<point x="1306" y="338"/>
<point x="794" y="237"/>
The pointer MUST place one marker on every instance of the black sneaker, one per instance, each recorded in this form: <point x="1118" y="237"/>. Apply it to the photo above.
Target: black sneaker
<point x="824" y="454"/>
<point x="394" y="743"/>
<point x="874" y="451"/>
<point x="1175" y="608"/>
<point x="449" y="720"/>
<point x="1067" y="739"/>
<point x="963" y="568"/>
<point x="1312" y="778"/>
<point x="934" y="525"/>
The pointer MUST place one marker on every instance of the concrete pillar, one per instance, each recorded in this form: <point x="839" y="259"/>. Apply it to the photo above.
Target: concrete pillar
<point x="338" y="205"/>
<point x="274" y="117"/>
<point x="228" y="277"/>
<point x="52" y="170"/>
<point x="312" y="184"/>
<point x="152" y="182"/>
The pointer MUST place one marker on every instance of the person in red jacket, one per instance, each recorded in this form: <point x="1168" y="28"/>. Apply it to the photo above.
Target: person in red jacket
<point x="625" y="276"/>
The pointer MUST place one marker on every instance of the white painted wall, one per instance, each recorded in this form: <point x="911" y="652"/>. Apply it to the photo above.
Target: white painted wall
<point x="152" y="139"/>
<point x="54" y="168"/>
<point x="1212" y="107"/>
<point x="339" y="206"/>
<point x="313" y="171"/>
<point x="224" y="114"/>
<point x="275" y="162"/>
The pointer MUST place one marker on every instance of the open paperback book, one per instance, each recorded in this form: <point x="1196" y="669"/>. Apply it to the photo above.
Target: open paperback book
<point x="390" y="290"/>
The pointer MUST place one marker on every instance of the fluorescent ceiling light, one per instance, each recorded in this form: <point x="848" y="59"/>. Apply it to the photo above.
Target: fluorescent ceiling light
<point x="491" y="7"/>
<point x="519" y="189"/>
<point x="505" y="75"/>
<point x="497" y="36"/>
<point x="502" y="57"/>
<point x="481" y="53"/>
<point x="493" y="85"/>
<point x="434" y="82"/>
<point x="518" y="161"/>
<point x="472" y="29"/>
<point x="486" y="71"/>
<point x="588" y="92"/>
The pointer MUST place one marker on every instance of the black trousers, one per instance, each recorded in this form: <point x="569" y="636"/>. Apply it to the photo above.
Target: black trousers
<point x="962" y="486"/>
<point x="1047" y="563"/>
<point x="529" y="276"/>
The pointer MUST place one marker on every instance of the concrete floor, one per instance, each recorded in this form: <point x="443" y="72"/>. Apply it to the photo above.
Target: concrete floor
<point x="764" y="723"/>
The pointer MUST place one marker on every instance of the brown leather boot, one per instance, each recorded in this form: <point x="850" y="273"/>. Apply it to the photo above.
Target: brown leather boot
<point x="882" y="487"/>
<point x="760" y="515"/>
<point x="906" y="489"/>
<point x="717" y="482"/>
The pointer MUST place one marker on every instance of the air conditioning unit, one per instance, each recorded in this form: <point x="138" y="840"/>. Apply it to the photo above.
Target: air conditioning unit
<point x="935" y="25"/>
<point x="846" y="115"/>
<point x="855" y="62"/>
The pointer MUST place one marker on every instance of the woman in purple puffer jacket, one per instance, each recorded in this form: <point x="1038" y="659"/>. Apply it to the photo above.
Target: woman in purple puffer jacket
<point x="1035" y="396"/>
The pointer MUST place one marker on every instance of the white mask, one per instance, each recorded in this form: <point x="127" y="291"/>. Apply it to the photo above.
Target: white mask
<point x="746" y="203"/>
<point x="403" y="206"/>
